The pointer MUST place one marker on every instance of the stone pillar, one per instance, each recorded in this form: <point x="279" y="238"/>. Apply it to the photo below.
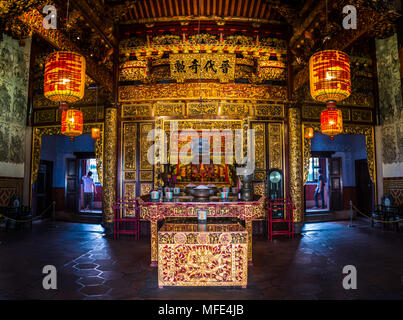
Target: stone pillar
<point x="295" y="165"/>
<point x="109" y="167"/>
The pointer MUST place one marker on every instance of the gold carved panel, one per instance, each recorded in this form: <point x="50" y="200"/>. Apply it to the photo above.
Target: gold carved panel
<point x="205" y="108"/>
<point x="275" y="146"/>
<point x="129" y="146"/>
<point x="145" y="188"/>
<point x="129" y="190"/>
<point x="169" y="109"/>
<point x="260" y="144"/>
<point x="146" y="176"/>
<point x="130" y="175"/>
<point x="45" y="116"/>
<point x="361" y="115"/>
<point x="145" y="145"/>
<point x="269" y="110"/>
<point x="259" y="188"/>
<point x="260" y="175"/>
<point x="136" y="110"/>
<point x="235" y="109"/>
<point x="180" y="91"/>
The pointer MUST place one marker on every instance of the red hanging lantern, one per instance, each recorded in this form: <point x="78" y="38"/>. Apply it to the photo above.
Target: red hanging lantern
<point x="64" y="79"/>
<point x="331" y="121"/>
<point x="308" y="133"/>
<point x="72" y="123"/>
<point x="329" y="75"/>
<point x="95" y="133"/>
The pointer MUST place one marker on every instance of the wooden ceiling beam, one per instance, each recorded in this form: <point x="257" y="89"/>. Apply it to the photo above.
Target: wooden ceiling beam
<point x="95" y="21"/>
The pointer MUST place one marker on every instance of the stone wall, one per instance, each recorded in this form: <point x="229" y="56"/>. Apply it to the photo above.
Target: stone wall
<point x="14" y="74"/>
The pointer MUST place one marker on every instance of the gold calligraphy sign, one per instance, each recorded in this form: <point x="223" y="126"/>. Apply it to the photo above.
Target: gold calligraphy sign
<point x="219" y="66"/>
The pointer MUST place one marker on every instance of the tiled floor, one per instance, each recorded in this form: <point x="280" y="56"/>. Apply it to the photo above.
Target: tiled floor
<point x="90" y="266"/>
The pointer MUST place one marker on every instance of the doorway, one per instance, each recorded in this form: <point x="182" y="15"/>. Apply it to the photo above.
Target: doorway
<point x="89" y="205"/>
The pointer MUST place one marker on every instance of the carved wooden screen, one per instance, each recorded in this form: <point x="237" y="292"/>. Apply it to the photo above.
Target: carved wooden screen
<point x="137" y="174"/>
<point x="269" y="151"/>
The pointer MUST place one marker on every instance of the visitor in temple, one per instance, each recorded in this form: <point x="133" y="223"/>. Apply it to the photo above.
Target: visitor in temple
<point x="89" y="191"/>
<point x="320" y="190"/>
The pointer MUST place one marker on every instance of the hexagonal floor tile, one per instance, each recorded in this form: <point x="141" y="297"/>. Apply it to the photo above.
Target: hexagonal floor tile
<point x="90" y="281"/>
<point x="95" y="290"/>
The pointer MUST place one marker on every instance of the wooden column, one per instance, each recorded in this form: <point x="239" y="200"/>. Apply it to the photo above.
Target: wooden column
<point x="110" y="166"/>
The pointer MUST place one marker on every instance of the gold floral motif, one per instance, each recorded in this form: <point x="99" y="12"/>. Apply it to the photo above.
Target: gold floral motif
<point x="129" y="190"/>
<point x="181" y="91"/>
<point x="260" y="175"/>
<point x="275" y="146"/>
<point x="259" y="188"/>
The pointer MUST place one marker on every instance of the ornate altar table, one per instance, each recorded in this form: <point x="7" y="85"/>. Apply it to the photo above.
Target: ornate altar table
<point x="157" y="211"/>
<point x="212" y="254"/>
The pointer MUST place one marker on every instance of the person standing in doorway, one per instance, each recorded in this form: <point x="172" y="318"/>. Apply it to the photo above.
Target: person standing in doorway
<point x="89" y="191"/>
<point x="320" y="190"/>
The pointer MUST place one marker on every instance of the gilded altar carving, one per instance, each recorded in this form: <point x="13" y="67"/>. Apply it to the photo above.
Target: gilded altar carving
<point x="110" y="164"/>
<point x="220" y="66"/>
<point x="129" y="145"/>
<point x="366" y="130"/>
<point x="169" y="109"/>
<point x="295" y="162"/>
<point x="136" y="110"/>
<point x="181" y="91"/>
<point x="38" y="132"/>
<point x="216" y="257"/>
<point x="203" y="108"/>
<point x="275" y="145"/>
<point x="269" y="110"/>
<point x="235" y="109"/>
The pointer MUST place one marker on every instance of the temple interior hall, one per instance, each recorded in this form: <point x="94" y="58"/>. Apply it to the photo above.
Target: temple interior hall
<point x="201" y="149"/>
